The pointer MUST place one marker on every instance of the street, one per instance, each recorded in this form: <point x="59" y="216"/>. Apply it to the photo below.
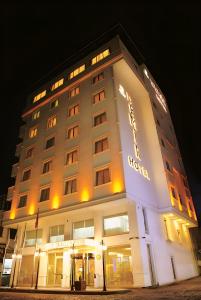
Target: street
<point x="186" y="290"/>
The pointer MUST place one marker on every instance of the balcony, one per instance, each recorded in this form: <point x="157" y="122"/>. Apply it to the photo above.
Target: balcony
<point x="14" y="170"/>
<point x="10" y="193"/>
<point x="18" y="149"/>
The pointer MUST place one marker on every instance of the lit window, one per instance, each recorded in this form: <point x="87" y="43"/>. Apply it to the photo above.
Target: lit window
<point x="54" y="103"/>
<point x="74" y="110"/>
<point x="83" y="229"/>
<point x="45" y="194"/>
<point x="36" y="115"/>
<point x="29" y="152"/>
<point x="47" y="166"/>
<point x="22" y="201"/>
<point x="26" y="175"/>
<point x="70" y="186"/>
<point x="101" y="145"/>
<point x="75" y="91"/>
<point x="33" y="132"/>
<point x="51" y="122"/>
<point x="39" y="96"/>
<point x="30" y="238"/>
<point x="173" y="193"/>
<point x="116" y="225"/>
<point x="72" y="157"/>
<point x="77" y="71"/>
<point x="99" y="97"/>
<point x="100" y="56"/>
<point x="50" y="143"/>
<point x="72" y="132"/>
<point x="99" y="119"/>
<point x="102" y="176"/>
<point x="57" y="84"/>
<point x="98" y="78"/>
<point x="56" y="234"/>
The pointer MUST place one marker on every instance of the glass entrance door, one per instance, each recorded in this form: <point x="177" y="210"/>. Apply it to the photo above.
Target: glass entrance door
<point x="84" y="267"/>
<point x="55" y="269"/>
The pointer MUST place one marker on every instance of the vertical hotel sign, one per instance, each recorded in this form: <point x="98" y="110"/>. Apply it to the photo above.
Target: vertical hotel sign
<point x="133" y="163"/>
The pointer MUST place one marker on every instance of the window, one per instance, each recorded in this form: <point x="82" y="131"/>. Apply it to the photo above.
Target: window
<point x="101" y="145"/>
<point x="99" y="119"/>
<point x="157" y="121"/>
<point x="181" y="200"/>
<point x="39" y="96"/>
<point x="26" y="175"/>
<point x="162" y="142"/>
<point x="83" y="229"/>
<point x="50" y="143"/>
<point x="116" y="225"/>
<point x="47" y="166"/>
<point x="51" y="122"/>
<point x="70" y="186"/>
<point x="144" y="213"/>
<point x="29" y="152"/>
<point x="33" y="132"/>
<point x="75" y="91"/>
<point x="168" y="166"/>
<point x="71" y="157"/>
<point x="54" y="104"/>
<point x="99" y="97"/>
<point x="74" y="110"/>
<point x="98" y="78"/>
<point x="45" y="194"/>
<point x="36" y="115"/>
<point x="77" y="71"/>
<point x="100" y="56"/>
<point x="57" y="84"/>
<point x="56" y="234"/>
<point x="102" y="176"/>
<point x="30" y="238"/>
<point x="173" y="193"/>
<point x="22" y="201"/>
<point x="72" y="132"/>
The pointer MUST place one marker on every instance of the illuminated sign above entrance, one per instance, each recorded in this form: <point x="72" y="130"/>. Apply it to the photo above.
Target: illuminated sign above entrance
<point x="159" y="96"/>
<point x="132" y="163"/>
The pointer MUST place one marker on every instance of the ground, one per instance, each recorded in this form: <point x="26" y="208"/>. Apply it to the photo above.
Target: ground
<point x="186" y="290"/>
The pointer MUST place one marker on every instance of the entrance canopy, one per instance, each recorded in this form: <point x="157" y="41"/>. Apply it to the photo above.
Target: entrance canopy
<point x="70" y="244"/>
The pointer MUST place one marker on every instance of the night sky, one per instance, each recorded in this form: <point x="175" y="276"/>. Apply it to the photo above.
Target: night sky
<point x="39" y="37"/>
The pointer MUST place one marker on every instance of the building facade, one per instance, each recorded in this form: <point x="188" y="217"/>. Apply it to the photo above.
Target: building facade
<point x="99" y="164"/>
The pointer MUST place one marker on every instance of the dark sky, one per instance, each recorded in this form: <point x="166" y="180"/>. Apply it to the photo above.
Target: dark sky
<point x="38" y="37"/>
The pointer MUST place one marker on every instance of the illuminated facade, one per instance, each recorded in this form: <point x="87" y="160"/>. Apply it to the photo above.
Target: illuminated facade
<point x="100" y="160"/>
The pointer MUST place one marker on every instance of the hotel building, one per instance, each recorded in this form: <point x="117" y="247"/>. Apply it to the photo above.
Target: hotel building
<point x="99" y="161"/>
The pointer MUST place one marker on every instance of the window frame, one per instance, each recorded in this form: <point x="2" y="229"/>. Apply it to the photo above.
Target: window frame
<point x="74" y="89"/>
<point x="99" y="170"/>
<point x="94" y="102"/>
<point x="35" y="130"/>
<point x="73" y="107"/>
<point x="49" y="160"/>
<point x="46" y="140"/>
<point x="40" y="193"/>
<point x="100" y="114"/>
<point x="72" y="127"/>
<point x="70" y="179"/>
<point x="52" y="118"/>
<point x="98" y="140"/>
<point x="97" y="76"/>
<point x="26" y="151"/>
<point x="20" y="196"/>
<point x="69" y="152"/>
<point x="54" y="101"/>
<point x="23" y="172"/>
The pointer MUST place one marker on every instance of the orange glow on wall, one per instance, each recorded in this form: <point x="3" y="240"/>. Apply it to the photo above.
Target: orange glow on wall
<point x="12" y="215"/>
<point x="117" y="186"/>
<point x="32" y="209"/>
<point x="85" y="195"/>
<point x="55" y="202"/>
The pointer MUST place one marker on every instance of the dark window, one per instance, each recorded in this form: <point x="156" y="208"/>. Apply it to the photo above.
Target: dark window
<point x="99" y="97"/>
<point x="29" y="152"/>
<point x="50" y="143"/>
<point x="70" y="186"/>
<point x="47" y="166"/>
<point x="45" y="194"/>
<point x="54" y="103"/>
<point x="72" y="157"/>
<point x="181" y="200"/>
<point x="23" y="201"/>
<point x="173" y="192"/>
<point x="26" y="175"/>
<point x="99" y="119"/>
<point x="102" y="176"/>
<point x="168" y="166"/>
<point x="98" y="77"/>
<point x="162" y="142"/>
<point x="101" y="145"/>
<point x="157" y="121"/>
